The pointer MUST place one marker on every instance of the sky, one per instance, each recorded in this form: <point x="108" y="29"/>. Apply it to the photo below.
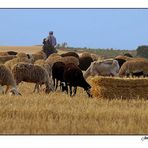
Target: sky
<point x="91" y="28"/>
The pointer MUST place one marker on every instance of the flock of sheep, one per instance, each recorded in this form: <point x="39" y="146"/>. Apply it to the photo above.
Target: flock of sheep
<point x="69" y="68"/>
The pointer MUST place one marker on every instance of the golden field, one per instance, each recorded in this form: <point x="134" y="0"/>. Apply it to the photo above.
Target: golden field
<point x="57" y="113"/>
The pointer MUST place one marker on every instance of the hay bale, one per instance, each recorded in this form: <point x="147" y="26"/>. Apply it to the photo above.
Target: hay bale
<point x="119" y="88"/>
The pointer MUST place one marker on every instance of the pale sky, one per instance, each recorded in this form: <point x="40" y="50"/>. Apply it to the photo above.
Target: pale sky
<point x="91" y="28"/>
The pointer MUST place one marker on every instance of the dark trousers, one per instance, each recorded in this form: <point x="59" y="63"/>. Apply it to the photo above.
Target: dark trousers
<point x="48" y="50"/>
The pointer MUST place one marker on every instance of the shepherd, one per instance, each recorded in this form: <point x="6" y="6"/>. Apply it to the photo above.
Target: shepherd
<point x="49" y="44"/>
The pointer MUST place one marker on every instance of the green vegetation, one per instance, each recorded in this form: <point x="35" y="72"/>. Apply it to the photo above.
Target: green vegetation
<point x="142" y="51"/>
<point x="106" y="53"/>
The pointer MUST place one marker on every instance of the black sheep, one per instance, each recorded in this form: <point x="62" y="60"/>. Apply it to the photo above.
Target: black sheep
<point x="84" y="62"/>
<point x="57" y="73"/>
<point x="73" y="76"/>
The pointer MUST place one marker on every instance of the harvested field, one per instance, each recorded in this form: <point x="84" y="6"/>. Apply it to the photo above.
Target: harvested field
<point x="57" y="113"/>
<point x="119" y="88"/>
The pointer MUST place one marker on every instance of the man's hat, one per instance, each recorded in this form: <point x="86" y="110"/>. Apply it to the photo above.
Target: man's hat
<point x="50" y="32"/>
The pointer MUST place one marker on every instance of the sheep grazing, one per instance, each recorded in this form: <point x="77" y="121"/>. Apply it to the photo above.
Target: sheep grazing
<point x="103" y="68"/>
<point x="33" y="74"/>
<point x="74" y="54"/>
<point x="121" y="59"/>
<point x="135" y="66"/>
<point x="73" y="77"/>
<point x="6" y="78"/>
<point x="84" y="62"/>
<point x="57" y="73"/>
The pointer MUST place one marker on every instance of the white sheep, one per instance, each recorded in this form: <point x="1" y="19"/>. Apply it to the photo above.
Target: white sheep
<point x="103" y="68"/>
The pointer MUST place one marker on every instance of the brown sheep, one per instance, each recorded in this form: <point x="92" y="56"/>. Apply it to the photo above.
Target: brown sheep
<point x="74" y="54"/>
<point x="21" y="57"/>
<point x="73" y="77"/>
<point x="85" y="62"/>
<point x="39" y="55"/>
<point x="136" y="65"/>
<point x="33" y="74"/>
<point x="121" y="59"/>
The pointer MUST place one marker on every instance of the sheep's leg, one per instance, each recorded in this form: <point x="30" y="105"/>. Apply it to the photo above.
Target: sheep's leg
<point x="66" y="88"/>
<point x="75" y="91"/>
<point x="88" y="93"/>
<point x="6" y="89"/>
<point x="56" y="85"/>
<point x="70" y="87"/>
<point x="36" y="88"/>
<point x="54" y="82"/>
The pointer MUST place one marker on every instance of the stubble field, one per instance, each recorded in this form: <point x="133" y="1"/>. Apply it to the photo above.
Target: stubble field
<point x="57" y="113"/>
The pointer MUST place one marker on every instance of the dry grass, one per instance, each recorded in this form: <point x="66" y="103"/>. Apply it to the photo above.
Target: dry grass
<point x="26" y="49"/>
<point x="57" y="113"/>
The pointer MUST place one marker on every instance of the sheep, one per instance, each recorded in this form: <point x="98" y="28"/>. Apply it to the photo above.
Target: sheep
<point x="70" y="54"/>
<point x="66" y="60"/>
<point x="52" y="60"/>
<point x="3" y="59"/>
<point x="136" y="65"/>
<point x="84" y="62"/>
<point x="39" y="55"/>
<point x="57" y="73"/>
<point x="21" y="57"/>
<point x="73" y="77"/>
<point x="44" y="64"/>
<point x="70" y="59"/>
<point x="103" y="68"/>
<point x="85" y="54"/>
<point x="32" y="73"/>
<point x="4" y="54"/>
<point x="121" y="59"/>
<point x="6" y="78"/>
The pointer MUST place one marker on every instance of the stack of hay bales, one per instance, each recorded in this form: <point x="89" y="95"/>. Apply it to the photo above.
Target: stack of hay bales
<point x="119" y="88"/>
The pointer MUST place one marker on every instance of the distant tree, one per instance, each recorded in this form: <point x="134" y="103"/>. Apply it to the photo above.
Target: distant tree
<point x="142" y="51"/>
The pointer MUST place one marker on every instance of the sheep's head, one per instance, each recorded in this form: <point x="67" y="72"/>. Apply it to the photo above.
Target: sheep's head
<point x="15" y="92"/>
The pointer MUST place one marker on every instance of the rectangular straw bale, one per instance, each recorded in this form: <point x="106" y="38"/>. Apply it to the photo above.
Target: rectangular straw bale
<point x="115" y="88"/>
